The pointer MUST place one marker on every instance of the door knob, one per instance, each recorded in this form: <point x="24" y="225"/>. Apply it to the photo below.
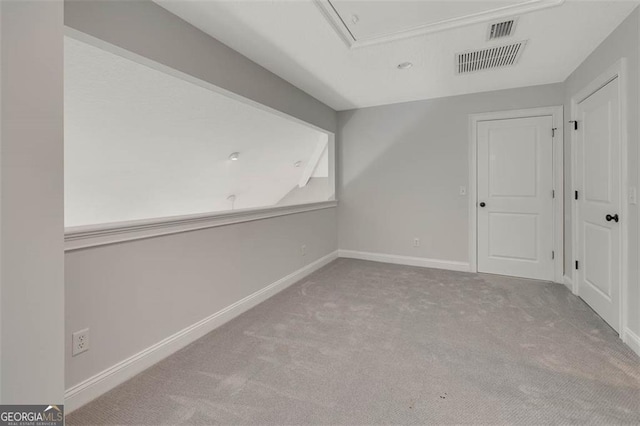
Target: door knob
<point x="482" y="204"/>
<point x="612" y="218"/>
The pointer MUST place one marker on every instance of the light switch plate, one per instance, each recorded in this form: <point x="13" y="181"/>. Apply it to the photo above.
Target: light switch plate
<point x="633" y="195"/>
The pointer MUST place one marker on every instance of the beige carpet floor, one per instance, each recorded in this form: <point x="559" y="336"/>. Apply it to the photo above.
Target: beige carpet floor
<point x="370" y="343"/>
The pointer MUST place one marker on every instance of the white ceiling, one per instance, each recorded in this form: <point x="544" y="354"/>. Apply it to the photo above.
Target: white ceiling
<point x="143" y="144"/>
<point x="372" y="22"/>
<point x="377" y="18"/>
<point x="295" y="40"/>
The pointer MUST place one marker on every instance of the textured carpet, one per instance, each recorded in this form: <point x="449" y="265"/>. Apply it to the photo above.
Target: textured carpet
<point x="370" y="343"/>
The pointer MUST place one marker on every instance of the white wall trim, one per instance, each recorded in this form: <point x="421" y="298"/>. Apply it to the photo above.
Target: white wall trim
<point x="557" y="113"/>
<point x="89" y="236"/>
<point x="405" y="260"/>
<point x="91" y="388"/>
<point x="568" y="282"/>
<point x="632" y="340"/>
<point x="617" y="70"/>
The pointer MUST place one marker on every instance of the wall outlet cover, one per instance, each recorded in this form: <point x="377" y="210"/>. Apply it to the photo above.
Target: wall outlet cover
<point x="80" y="342"/>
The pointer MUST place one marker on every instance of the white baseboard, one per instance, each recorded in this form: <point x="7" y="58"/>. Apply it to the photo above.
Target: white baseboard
<point x="406" y="260"/>
<point x="632" y="340"/>
<point x="568" y="282"/>
<point x="91" y="388"/>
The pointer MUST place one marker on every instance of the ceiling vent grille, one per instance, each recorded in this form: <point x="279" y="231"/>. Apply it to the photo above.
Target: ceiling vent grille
<point x="493" y="57"/>
<point x="501" y="29"/>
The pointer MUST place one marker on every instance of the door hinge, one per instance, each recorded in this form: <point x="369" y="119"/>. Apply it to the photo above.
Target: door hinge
<point x="553" y="132"/>
<point x="575" y="195"/>
<point x="553" y="255"/>
<point x="553" y="193"/>
<point x="577" y="265"/>
<point x="575" y="124"/>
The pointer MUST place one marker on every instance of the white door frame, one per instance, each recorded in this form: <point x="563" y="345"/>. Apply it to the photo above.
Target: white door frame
<point x="556" y="112"/>
<point x="619" y="71"/>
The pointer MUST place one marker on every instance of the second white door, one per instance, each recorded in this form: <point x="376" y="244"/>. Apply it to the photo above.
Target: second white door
<point x="515" y="197"/>
<point x="599" y="202"/>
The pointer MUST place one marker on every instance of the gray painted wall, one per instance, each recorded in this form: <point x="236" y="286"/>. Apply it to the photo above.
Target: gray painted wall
<point x="623" y="42"/>
<point x="134" y="294"/>
<point x="31" y="215"/>
<point x="400" y="168"/>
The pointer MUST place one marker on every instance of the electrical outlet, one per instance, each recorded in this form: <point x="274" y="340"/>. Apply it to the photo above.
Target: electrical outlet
<point x="416" y="242"/>
<point x="303" y="250"/>
<point x="80" y="342"/>
<point x="463" y="190"/>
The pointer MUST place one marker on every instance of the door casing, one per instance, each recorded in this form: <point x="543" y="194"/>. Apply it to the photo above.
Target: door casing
<point x="556" y="112"/>
<point x="617" y="70"/>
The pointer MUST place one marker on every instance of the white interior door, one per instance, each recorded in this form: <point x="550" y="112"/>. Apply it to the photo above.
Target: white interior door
<point x="515" y="197"/>
<point x="599" y="202"/>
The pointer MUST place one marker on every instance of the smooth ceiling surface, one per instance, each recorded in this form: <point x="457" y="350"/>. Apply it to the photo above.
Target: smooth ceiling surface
<point x="296" y="41"/>
<point x="143" y="144"/>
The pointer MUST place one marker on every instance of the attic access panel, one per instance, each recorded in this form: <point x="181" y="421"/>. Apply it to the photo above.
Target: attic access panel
<point x="364" y="23"/>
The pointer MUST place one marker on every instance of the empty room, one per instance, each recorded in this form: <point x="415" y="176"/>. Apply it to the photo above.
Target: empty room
<point x="319" y="212"/>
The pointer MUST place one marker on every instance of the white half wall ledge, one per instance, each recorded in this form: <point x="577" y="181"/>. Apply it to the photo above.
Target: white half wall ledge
<point x="91" y="388"/>
<point x="90" y="236"/>
<point x="423" y="262"/>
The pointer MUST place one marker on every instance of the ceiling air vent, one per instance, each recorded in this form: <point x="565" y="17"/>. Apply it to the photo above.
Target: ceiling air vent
<point x="493" y="57"/>
<point x="501" y="29"/>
